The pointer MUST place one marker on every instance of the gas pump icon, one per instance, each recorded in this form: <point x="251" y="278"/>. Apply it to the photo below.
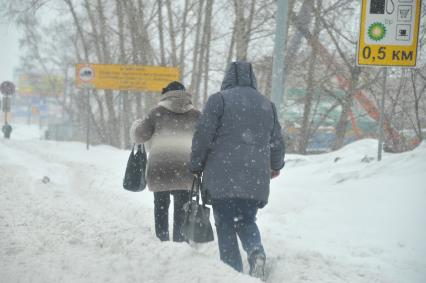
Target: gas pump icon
<point x="379" y="7"/>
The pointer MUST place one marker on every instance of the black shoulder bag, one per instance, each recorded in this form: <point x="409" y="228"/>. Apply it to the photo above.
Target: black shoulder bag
<point x="134" y="177"/>
<point x="196" y="226"/>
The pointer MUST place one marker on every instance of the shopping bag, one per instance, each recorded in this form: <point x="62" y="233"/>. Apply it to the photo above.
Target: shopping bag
<point x="134" y="177"/>
<point x="196" y="226"/>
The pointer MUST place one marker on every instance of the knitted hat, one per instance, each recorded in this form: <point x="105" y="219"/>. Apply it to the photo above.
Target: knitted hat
<point x="173" y="86"/>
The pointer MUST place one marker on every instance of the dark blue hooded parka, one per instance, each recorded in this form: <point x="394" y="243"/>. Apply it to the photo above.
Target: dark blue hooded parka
<point x="238" y="139"/>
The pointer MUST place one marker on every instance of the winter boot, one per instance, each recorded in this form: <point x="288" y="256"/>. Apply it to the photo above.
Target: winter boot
<point x="257" y="262"/>
<point x="163" y="236"/>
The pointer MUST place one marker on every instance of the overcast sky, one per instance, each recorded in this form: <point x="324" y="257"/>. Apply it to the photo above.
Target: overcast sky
<point x="9" y="51"/>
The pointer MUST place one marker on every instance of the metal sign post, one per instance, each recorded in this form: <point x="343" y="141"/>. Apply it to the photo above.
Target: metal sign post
<point x="382" y="115"/>
<point x="88" y="119"/>
<point x="6" y="105"/>
<point x="7" y="89"/>
<point x="85" y="75"/>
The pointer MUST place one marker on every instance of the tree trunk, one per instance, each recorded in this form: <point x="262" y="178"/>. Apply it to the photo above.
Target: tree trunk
<point x="231" y="44"/>
<point x="102" y="128"/>
<point x="125" y="111"/>
<point x="240" y="38"/>
<point x="95" y="36"/>
<point x="113" y="132"/>
<point x="418" y="126"/>
<point x="183" y="41"/>
<point x="243" y="27"/>
<point x="205" y="46"/>
<point x="196" y="50"/>
<point x="95" y="33"/>
<point x="346" y="107"/>
<point x="209" y="9"/>
<point x="172" y="33"/>
<point x="305" y="132"/>
<point x="161" y="34"/>
<point x="200" y="69"/>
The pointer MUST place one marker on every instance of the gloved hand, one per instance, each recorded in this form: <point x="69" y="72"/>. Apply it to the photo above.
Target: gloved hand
<point x="197" y="174"/>
<point x="275" y="173"/>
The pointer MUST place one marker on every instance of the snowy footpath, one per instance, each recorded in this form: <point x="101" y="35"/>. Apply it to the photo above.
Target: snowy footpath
<point x="331" y="218"/>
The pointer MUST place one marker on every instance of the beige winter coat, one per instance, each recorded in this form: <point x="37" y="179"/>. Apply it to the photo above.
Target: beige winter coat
<point x="167" y="131"/>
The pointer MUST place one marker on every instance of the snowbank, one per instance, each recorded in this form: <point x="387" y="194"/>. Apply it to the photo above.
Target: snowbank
<point x="331" y="218"/>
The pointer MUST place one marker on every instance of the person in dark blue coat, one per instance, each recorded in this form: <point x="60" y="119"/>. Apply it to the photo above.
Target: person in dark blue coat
<point x="238" y="147"/>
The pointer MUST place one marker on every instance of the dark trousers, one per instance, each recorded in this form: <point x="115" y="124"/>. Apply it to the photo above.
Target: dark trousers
<point x="236" y="217"/>
<point x="161" y="214"/>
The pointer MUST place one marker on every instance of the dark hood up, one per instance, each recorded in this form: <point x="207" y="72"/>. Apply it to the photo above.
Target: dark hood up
<point x="239" y="74"/>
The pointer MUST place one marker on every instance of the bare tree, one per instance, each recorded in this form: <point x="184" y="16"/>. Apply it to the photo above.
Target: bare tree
<point x="201" y="37"/>
<point x="305" y="131"/>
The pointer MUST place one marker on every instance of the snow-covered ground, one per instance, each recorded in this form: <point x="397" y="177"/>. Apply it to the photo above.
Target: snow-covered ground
<point x="331" y="218"/>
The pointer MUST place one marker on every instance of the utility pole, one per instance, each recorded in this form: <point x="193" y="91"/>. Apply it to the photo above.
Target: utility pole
<point x="278" y="88"/>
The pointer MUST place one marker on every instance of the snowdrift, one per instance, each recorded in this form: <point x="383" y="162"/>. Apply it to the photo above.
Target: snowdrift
<point x="336" y="217"/>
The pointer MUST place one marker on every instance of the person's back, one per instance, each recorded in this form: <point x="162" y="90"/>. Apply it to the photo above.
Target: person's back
<point x="169" y="149"/>
<point x="238" y="146"/>
<point x="247" y="118"/>
<point x="239" y="158"/>
<point x="167" y="130"/>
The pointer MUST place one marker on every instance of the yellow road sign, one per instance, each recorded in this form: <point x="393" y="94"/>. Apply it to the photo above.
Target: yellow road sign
<point x="389" y="32"/>
<point x="125" y="77"/>
<point x="40" y="85"/>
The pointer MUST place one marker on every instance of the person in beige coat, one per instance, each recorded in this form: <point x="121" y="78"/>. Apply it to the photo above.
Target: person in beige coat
<point x="167" y="131"/>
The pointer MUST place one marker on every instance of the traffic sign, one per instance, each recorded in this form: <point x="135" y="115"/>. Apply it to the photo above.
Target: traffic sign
<point x="7" y="88"/>
<point x="86" y="74"/>
<point x="125" y="77"/>
<point x="39" y="85"/>
<point x="389" y="31"/>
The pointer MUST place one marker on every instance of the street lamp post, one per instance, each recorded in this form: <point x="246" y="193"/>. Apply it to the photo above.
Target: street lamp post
<point x="279" y="58"/>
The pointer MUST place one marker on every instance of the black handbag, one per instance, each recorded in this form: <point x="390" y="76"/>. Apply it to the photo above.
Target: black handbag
<point x="134" y="177"/>
<point x="196" y="226"/>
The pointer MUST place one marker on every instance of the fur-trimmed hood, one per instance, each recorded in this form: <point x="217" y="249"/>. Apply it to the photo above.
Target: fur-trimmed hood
<point x="178" y="101"/>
